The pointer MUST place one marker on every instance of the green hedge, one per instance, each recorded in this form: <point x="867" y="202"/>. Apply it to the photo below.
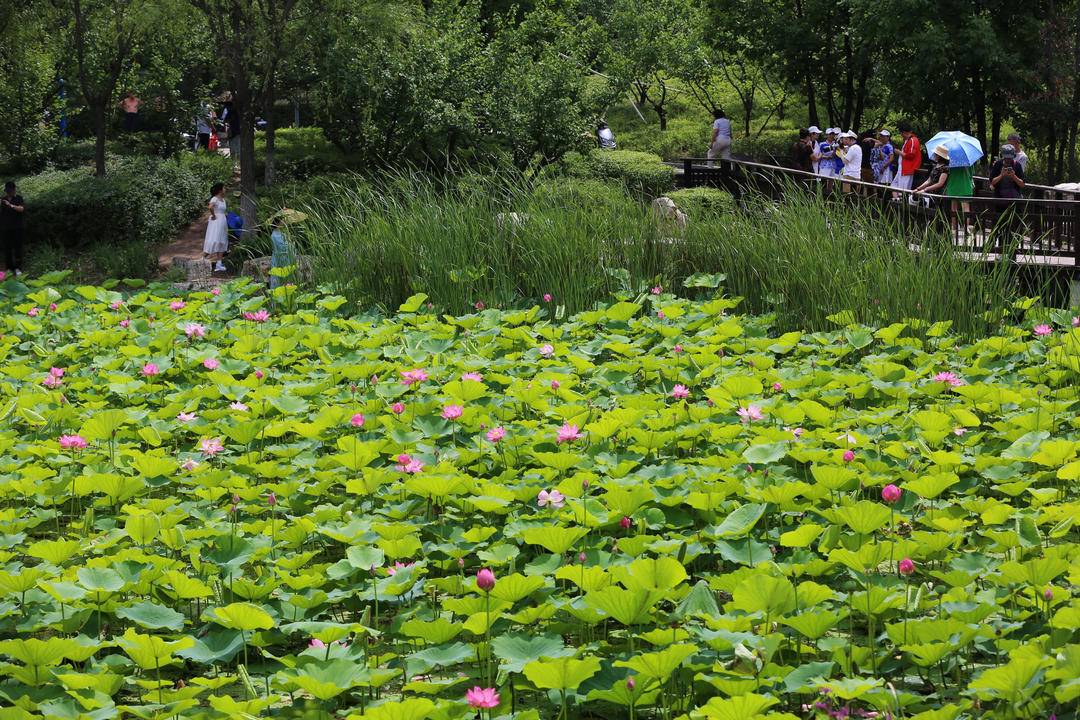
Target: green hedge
<point x="703" y="202"/>
<point x="141" y="200"/>
<point x="643" y="174"/>
<point x="683" y="138"/>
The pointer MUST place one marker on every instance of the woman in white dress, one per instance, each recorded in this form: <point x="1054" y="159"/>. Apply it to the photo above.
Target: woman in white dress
<point x="216" y="243"/>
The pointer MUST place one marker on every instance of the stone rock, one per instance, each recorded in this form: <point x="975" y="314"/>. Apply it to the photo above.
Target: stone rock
<point x="667" y="211"/>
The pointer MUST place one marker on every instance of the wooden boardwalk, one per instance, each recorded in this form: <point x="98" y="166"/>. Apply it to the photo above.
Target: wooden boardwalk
<point x="1042" y="229"/>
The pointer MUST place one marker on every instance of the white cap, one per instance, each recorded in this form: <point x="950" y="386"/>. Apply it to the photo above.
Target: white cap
<point x="885" y="133"/>
<point x="814" y="129"/>
<point x="849" y="134"/>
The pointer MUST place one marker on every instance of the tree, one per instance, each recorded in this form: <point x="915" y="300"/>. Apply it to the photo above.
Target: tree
<point x="102" y="35"/>
<point x="251" y="36"/>
<point x="27" y="84"/>
<point x="647" y="42"/>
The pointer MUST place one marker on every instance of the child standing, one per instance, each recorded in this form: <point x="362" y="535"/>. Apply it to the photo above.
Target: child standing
<point x="216" y="242"/>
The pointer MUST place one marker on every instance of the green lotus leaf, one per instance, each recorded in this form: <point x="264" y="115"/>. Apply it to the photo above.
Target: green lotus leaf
<point x="761" y="593"/>
<point x="239" y="616"/>
<point x="743" y="707"/>
<point x="659" y="665"/>
<point x="517" y="650"/>
<point x="740" y="521"/>
<point x="554" y="538"/>
<point x="152" y="616"/>
<point x="565" y="673"/>
<point x="627" y="606"/>
<point x="150" y="651"/>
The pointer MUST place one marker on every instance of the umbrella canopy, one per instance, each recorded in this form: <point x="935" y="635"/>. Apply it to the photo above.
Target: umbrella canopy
<point x="964" y="150"/>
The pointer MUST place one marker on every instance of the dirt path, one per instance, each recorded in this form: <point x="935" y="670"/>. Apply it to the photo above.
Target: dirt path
<point x="185" y="250"/>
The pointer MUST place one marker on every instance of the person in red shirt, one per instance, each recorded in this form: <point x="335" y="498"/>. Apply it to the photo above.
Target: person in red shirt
<point x="910" y="159"/>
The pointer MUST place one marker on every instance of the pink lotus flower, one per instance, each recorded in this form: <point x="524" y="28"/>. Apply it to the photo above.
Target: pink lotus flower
<point x="52" y="381"/>
<point x="397" y="408"/>
<point x="630" y="684"/>
<point x="660" y="314"/>
<point x="238" y="406"/>
<point x="777" y="387"/>
<point x="480" y="697"/>
<point x="150" y="369"/>
<point x="407" y="464"/>
<point x="678" y="349"/>
<point x="959" y="431"/>
<point x="906" y="566"/>
<point x="73" y="442"/>
<point x="124" y="323"/>
<point x="3" y="275"/>
<point x="625" y="523"/>
<point x="657" y="290"/>
<point x="555" y="385"/>
<point x="949" y="378"/>
<point x="479" y="305"/>
<point x="679" y="392"/>
<point x="317" y="644"/>
<point x="211" y="363"/>
<point x="547" y="350"/>
<point x="797" y="432"/>
<point x="547" y="297"/>
<point x="554" y="498"/>
<point x="475" y="377"/>
<point x="1043" y="330"/>
<point x="848" y="456"/>
<point x="185" y="417"/>
<point x="1048" y="594"/>
<point x="392" y="570"/>
<point x="357" y="420"/>
<point x="259" y="316"/>
<point x="890" y="493"/>
<point x="215" y="291"/>
<point x="194" y="330"/>
<point x="177" y="305"/>
<point x="1076" y="321"/>
<point x="496" y="434"/>
<point x="259" y="375"/>
<point x="271" y="499"/>
<point x="411" y="377"/>
<point x="52" y="307"/>
<point x="567" y="433"/>
<point x="210" y="446"/>
<point x="452" y="412"/>
<point x="189" y="465"/>
<point x="56" y="372"/>
<point x="116" y="304"/>
<point x="749" y="414"/>
<point x="485" y="579"/>
<point x="33" y="312"/>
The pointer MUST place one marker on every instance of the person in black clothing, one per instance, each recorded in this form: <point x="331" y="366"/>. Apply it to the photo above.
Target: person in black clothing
<point x="12" y="208"/>
<point x="231" y="118"/>
<point x="802" y="152"/>
<point x="1007" y="175"/>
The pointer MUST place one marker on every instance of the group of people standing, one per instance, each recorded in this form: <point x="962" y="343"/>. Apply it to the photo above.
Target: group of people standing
<point x="873" y="158"/>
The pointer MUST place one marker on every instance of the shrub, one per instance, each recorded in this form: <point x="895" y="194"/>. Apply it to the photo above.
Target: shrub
<point x="683" y="138"/>
<point x="643" y="174"/>
<point x="142" y="200"/>
<point x="577" y="193"/>
<point x="703" y="202"/>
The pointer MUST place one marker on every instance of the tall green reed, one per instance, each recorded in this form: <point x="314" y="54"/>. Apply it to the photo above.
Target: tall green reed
<point x="499" y="241"/>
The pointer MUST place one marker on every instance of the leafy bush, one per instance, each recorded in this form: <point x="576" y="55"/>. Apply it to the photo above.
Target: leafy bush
<point x="703" y="202"/>
<point x="643" y="174"/>
<point x="684" y="138"/>
<point x="142" y="200"/>
<point x="300" y="153"/>
<point x="577" y="193"/>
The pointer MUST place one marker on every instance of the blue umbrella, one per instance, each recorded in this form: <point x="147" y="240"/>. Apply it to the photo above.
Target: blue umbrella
<point x="964" y="150"/>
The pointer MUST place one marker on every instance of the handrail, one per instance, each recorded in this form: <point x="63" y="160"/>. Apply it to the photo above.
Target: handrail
<point x="879" y="186"/>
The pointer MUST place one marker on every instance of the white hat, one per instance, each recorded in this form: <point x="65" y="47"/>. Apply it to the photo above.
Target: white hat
<point x="831" y="131"/>
<point x="814" y="129"/>
<point x="885" y="133"/>
<point x="849" y="134"/>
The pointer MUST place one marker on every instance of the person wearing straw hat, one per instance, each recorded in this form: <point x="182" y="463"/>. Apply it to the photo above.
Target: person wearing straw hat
<point x="282" y="252"/>
<point x="939" y="173"/>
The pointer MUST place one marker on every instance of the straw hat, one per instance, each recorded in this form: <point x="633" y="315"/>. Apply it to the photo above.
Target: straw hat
<point x="289" y="216"/>
<point x="942" y="152"/>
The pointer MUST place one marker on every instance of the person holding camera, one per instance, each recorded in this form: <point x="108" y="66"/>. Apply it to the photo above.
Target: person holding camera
<point x="12" y="208"/>
<point x="1007" y="175"/>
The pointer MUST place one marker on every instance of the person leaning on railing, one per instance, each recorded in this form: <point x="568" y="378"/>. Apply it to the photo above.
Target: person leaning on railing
<point x="1007" y="175"/>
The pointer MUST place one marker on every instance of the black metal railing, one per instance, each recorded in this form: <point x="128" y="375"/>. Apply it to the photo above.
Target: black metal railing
<point x="1042" y="228"/>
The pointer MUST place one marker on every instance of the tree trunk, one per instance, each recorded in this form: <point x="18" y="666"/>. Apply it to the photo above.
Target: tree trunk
<point x="100" y="121"/>
<point x="995" y="129"/>
<point x="244" y="110"/>
<point x="980" y="109"/>
<point x="661" y="113"/>
<point x="811" y="100"/>
<point x="748" y="110"/>
<point x="269" y="97"/>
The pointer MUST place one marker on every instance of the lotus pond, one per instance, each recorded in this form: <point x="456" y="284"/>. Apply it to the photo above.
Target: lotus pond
<point x="219" y="506"/>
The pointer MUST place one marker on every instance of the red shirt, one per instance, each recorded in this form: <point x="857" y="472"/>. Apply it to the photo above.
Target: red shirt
<point x="910" y="156"/>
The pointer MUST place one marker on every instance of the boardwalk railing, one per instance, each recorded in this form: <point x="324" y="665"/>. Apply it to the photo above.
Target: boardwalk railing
<point x="1040" y="229"/>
